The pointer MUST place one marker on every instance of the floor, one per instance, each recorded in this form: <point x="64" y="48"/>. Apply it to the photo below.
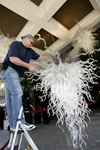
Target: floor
<point x="51" y="137"/>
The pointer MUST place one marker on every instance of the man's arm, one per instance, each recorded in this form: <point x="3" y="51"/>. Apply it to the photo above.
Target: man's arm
<point x="19" y="62"/>
<point x="43" y="58"/>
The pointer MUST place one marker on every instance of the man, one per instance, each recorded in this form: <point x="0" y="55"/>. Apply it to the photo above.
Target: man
<point x="14" y="66"/>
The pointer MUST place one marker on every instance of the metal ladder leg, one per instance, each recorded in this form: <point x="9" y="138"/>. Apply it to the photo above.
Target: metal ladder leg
<point x="10" y="141"/>
<point x="20" y="141"/>
<point x="15" y="136"/>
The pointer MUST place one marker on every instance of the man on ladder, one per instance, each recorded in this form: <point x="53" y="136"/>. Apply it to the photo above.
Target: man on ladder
<point x="14" y="66"/>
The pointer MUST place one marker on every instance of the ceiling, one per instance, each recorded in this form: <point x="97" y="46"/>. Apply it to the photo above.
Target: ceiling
<point x="55" y="21"/>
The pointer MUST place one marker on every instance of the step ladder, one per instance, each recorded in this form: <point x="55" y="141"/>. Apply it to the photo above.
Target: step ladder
<point x="14" y="136"/>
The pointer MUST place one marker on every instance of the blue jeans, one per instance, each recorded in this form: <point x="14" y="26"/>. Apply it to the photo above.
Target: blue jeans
<point x="14" y="95"/>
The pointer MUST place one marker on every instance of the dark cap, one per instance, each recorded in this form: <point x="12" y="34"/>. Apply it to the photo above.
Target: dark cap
<point x="28" y="36"/>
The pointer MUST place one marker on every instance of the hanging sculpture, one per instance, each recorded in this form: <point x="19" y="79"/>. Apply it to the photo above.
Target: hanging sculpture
<point x="68" y="84"/>
<point x="69" y="89"/>
<point x="84" y="39"/>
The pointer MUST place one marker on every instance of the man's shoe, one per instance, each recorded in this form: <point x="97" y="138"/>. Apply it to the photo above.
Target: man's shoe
<point x="13" y="130"/>
<point x="28" y="127"/>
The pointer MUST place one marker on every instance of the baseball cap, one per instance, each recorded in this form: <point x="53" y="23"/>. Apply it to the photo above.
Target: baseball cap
<point x="28" y="36"/>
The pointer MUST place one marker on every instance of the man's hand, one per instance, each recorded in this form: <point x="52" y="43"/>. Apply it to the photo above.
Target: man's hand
<point x="31" y="68"/>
